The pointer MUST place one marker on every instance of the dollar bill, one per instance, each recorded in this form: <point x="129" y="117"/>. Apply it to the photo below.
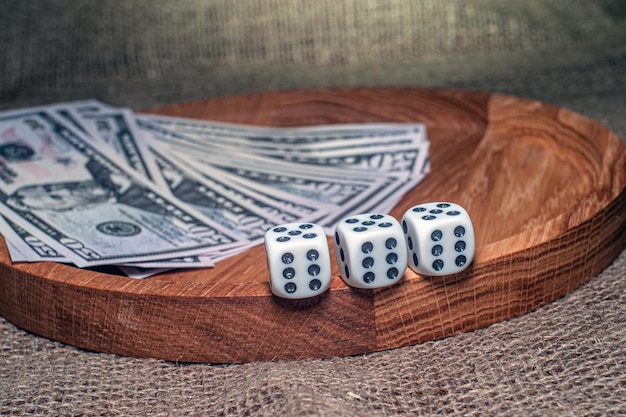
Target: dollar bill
<point x="284" y="137"/>
<point x="78" y="200"/>
<point x="90" y="184"/>
<point x="344" y="143"/>
<point x="336" y="177"/>
<point x="140" y="272"/>
<point x="25" y="246"/>
<point x="115" y="133"/>
<point x="222" y="204"/>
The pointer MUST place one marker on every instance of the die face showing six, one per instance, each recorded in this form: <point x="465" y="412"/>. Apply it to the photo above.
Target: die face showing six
<point x="298" y="260"/>
<point x="370" y="250"/>
<point x="439" y="238"/>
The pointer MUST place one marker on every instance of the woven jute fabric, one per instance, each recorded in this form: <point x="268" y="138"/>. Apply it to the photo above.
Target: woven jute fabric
<point x="565" y="358"/>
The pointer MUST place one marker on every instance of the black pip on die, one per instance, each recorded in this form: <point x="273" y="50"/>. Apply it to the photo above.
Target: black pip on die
<point x="370" y="250"/>
<point x="298" y="260"/>
<point x="439" y="238"/>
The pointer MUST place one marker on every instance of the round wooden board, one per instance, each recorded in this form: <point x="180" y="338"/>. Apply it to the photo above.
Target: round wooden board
<point x="545" y="188"/>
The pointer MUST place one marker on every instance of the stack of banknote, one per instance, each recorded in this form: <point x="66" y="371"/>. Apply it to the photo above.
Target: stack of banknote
<point x="89" y="184"/>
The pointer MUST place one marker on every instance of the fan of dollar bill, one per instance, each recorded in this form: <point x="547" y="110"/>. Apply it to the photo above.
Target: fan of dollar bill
<point x="88" y="184"/>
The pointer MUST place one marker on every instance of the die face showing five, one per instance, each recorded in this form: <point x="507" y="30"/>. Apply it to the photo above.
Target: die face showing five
<point x="298" y="260"/>
<point x="439" y="238"/>
<point x="370" y="250"/>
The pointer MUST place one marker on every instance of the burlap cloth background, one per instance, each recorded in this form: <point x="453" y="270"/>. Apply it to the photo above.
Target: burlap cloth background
<point x="567" y="358"/>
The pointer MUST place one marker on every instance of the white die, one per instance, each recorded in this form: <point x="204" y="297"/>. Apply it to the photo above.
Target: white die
<point x="370" y="250"/>
<point x="298" y="260"/>
<point x="439" y="238"/>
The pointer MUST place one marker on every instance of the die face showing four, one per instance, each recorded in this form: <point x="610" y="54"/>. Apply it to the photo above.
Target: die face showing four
<point x="370" y="250"/>
<point x="439" y="238"/>
<point x="298" y="260"/>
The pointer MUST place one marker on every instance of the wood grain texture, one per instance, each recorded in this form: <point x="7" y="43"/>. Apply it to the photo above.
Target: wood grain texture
<point x="545" y="188"/>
